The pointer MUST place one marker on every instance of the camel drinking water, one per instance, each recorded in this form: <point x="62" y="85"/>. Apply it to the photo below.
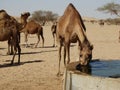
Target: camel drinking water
<point x="31" y="27"/>
<point x="9" y="30"/>
<point x="70" y="28"/>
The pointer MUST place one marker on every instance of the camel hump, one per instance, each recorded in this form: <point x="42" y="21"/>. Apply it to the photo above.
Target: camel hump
<point x="71" y="10"/>
<point x="71" y="6"/>
<point x="4" y="15"/>
<point x="2" y="10"/>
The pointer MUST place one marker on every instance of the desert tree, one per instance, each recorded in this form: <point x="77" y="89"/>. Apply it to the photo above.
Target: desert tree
<point x="42" y="16"/>
<point x="112" y="8"/>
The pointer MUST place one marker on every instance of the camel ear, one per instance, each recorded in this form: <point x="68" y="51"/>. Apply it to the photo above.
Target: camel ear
<point x="91" y="47"/>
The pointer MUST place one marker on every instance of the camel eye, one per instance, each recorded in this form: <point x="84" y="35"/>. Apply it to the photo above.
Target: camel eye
<point x="81" y="55"/>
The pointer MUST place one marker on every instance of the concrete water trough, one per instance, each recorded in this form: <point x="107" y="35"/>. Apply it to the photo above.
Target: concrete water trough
<point x="99" y="75"/>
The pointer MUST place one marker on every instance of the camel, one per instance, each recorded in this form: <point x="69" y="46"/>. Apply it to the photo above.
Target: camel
<point x="101" y="23"/>
<point x="71" y="29"/>
<point x="53" y="30"/>
<point x="31" y="27"/>
<point x="9" y="31"/>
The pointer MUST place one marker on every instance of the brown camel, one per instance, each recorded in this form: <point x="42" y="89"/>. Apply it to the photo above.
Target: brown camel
<point x="31" y="27"/>
<point x="53" y="30"/>
<point x="101" y="23"/>
<point x="70" y="29"/>
<point x="9" y="31"/>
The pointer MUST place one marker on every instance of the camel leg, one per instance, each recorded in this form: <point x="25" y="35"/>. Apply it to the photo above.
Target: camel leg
<point x="64" y="56"/>
<point x="9" y="43"/>
<point x="12" y="52"/>
<point x="67" y="46"/>
<point x="42" y="40"/>
<point x="16" y="46"/>
<point x="41" y="33"/>
<point x="19" y="52"/>
<point x="53" y="39"/>
<point x="59" y="54"/>
<point x="38" y="40"/>
<point x="26" y="39"/>
<point x="13" y="58"/>
<point x="19" y="49"/>
<point x="15" y="50"/>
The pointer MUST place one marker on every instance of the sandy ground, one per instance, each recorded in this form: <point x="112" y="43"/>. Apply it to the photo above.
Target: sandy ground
<point x="38" y="67"/>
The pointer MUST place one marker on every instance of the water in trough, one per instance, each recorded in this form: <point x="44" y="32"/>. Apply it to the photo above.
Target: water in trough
<point x="109" y="68"/>
<point x="102" y="68"/>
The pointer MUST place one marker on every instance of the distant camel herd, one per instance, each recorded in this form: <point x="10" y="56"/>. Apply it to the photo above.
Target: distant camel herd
<point x="68" y="29"/>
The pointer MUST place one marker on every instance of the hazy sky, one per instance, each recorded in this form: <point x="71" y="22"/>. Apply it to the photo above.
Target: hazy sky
<point x="85" y="7"/>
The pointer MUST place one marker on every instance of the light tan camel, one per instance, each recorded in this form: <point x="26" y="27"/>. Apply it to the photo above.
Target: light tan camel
<point x="9" y="31"/>
<point x="31" y="27"/>
<point x="70" y="28"/>
<point x="53" y="30"/>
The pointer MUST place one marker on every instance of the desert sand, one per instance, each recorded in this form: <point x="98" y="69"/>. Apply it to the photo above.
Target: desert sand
<point x="39" y="66"/>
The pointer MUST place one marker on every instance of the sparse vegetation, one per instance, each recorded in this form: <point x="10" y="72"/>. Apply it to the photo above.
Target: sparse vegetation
<point x="112" y="8"/>
<point x="42" y="16"/>
<point x="115" y="21"/>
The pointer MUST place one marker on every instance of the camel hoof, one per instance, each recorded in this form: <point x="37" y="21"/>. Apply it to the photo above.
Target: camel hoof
<point x="18" y="63"/>
<point x="8" y="53"/>
<point x="11" y="63"/>
<point x="59" y="74"/>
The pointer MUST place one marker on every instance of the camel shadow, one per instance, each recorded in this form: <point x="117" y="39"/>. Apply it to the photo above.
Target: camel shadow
<point x="30" y="53"/>
<point x="47" y="47"/>
<point x="31" y="45"/>
<point x="2" y="48"/>
<point x="16" y="64"/>
<point x="38" y="52"/>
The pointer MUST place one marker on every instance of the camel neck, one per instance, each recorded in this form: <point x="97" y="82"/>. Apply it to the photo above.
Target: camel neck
<point x="82" y="35"/>
<point x="23" y="21"/>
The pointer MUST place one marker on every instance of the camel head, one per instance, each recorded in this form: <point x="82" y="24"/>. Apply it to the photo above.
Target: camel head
<point x="24" y="17"/>
<point x="85" y="54"/>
